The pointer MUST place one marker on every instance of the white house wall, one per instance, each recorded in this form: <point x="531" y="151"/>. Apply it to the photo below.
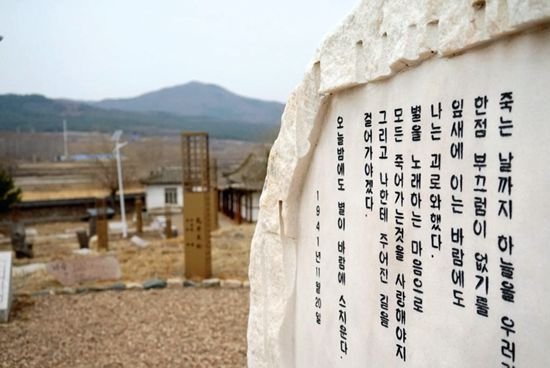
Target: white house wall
<point x="255" y="206"/>
<point x="154" y="196"/>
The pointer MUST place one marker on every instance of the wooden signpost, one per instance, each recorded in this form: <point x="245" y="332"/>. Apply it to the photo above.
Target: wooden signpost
<point x="102" y="226"/>
<point x="139" y="217"/>
<point x="196" y="210"/>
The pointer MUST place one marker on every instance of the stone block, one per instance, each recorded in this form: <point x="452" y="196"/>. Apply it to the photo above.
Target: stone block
<point x="5" y="285"/>
<point x="83" y="269"/>
<point x="404" y="174"/>
<point x="213" y="282"/>
<point x="154" y="284"/>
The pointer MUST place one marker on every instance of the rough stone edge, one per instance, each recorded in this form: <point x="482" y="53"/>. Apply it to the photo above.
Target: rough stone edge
<point x="372" y="43"/>
<point x="133" y="286"/>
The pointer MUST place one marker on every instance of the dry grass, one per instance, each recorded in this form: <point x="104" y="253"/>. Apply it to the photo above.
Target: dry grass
<point x="163" y="258"/>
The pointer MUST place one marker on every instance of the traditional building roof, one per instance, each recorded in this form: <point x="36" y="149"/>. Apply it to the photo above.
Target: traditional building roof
<point x="164" y="176"/>
<point x="250" y="174"/>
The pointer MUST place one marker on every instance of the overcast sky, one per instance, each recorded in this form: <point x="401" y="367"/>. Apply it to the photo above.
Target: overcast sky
<point x="94" y="49"/>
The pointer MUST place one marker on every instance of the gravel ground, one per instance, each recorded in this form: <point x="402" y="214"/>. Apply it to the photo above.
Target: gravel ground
<point x="184" y="327"/>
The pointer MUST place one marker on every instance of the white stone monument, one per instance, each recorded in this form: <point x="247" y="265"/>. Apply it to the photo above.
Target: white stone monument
<point x="404" y="219"/>
<point x="5" y="285"/>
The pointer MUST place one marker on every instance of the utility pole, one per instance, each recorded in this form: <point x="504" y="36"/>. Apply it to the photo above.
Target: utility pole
<point x="17" y="142"/>
<point x="65" y="146"/>
<point x="118" y="146"/>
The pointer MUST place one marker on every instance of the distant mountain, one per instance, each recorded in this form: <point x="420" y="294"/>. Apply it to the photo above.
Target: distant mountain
<point x="41" y="114"/>
<point x="200" y="99"/>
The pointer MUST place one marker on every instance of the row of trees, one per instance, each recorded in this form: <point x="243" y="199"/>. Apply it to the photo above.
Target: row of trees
<point x="9" y="193"/>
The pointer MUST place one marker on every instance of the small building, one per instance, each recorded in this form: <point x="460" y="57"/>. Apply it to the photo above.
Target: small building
<point x="163" y="189"/>
<point x="164" y="193"/>
<point x="240" y="189"/>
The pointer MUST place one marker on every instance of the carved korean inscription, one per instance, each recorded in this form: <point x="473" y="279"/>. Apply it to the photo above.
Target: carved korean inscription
<point x="423" y="217"/>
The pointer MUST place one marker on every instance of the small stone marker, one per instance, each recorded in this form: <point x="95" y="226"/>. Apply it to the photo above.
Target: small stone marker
<point x="102" y="225"/>
<point x="83" y="239"/>
<point x="404" y="218"/>
<point x="21" y="247"/>
<point x="139" y="216"/>
<point x="5" y="285"/>
<point x="90" y="268"/>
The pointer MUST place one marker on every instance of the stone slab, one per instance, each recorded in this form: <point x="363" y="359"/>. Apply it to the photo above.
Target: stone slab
<point x="83" y="269"/>
<point x="415" y="190"/>
<point x="5" y="285"/>
<point x="327" y="297"/>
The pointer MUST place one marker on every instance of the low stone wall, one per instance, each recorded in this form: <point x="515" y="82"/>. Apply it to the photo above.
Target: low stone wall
<point x="145" y="285"/>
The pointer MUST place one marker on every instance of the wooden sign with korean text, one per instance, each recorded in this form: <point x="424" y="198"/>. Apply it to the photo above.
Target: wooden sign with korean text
<point x="197" y="235"/>
<point x="196" y="208"/>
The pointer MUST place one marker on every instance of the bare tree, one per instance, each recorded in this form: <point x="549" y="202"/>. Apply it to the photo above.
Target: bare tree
<point x="106" y="174"/>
